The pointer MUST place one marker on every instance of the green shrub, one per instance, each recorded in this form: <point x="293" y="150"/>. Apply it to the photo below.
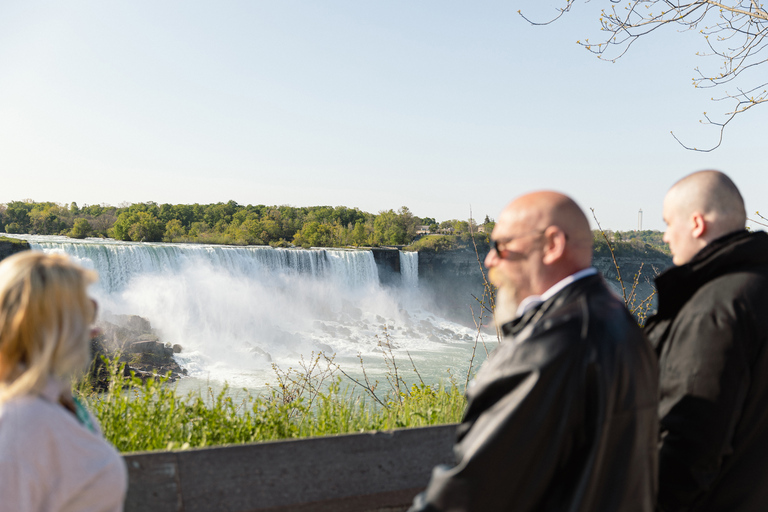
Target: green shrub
<point x="81" y="229"/>
<point x="434" y="243"/>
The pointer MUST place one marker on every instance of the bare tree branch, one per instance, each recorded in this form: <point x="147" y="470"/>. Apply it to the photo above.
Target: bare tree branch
<point x="735" y="33"/>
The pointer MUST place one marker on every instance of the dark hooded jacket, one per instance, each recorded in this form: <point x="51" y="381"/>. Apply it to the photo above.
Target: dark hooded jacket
<point x="710" y="335"/>
<point x="562" y="416"/>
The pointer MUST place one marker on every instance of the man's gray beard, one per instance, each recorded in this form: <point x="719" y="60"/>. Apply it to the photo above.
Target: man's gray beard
<point x="506" y="305"/>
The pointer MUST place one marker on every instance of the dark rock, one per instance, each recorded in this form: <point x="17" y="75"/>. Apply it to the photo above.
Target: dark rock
<point x="132" y="340"/>
<point x="451" y="278"/>
<point x="152" y="347"/>
<point x="176" y="348"/>
<point x="98" y="373"/>
<point x="137" y="323"/>
<point x="387" y="264"/>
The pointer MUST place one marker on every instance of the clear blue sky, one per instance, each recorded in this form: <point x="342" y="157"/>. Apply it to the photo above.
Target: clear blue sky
<point x="432" y="104"/>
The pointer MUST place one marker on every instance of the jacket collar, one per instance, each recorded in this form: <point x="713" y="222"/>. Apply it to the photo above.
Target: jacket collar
<point x="722" y="256"/>
<point x="531" y="316"/>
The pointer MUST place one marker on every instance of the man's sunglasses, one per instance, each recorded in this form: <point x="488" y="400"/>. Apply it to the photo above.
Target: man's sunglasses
<point x="498" y="245"/>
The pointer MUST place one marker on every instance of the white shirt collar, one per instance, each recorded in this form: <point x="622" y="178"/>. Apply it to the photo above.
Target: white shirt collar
<point x="534" y="300"/>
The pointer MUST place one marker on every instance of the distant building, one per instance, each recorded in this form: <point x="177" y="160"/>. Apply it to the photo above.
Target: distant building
<point x="422" y="230"/>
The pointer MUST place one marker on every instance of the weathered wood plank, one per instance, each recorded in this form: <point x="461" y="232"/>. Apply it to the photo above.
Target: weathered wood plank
<point x="153" y="483"/>
<point x="350" y="473"/>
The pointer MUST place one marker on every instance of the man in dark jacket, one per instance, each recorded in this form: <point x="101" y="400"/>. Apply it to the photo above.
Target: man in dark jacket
<point x="562" y="416"/>
<point x="710" y="335"/>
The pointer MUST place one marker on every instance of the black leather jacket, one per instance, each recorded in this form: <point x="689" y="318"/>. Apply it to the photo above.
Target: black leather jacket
<point x="711" y="333"/>
<point x="562" y="417"/>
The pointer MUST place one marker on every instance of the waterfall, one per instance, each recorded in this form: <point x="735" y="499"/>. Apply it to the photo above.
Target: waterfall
<point x="409" y="269"/>
<point x="354" y="268"/>
<point x="119" y="262"/>
<point x="236" y="310"/>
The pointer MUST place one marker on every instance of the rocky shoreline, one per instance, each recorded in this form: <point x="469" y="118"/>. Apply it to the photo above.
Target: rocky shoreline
<point x="132" y="340"/>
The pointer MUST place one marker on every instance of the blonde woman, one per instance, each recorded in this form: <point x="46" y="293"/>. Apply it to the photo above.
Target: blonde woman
<point x="52" y="455"/>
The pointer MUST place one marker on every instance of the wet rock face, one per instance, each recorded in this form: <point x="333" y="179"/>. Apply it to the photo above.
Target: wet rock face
<point x="132" y="339"/>
<point x="121" y="331"/>
<point x="452" y="278"/>
<point x="151" y="347"/>
<point x="9" y="246"/>
<point x="135" y="323"/>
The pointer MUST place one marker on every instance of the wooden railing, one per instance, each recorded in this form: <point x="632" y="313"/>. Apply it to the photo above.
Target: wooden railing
<point x="370" y="472"/>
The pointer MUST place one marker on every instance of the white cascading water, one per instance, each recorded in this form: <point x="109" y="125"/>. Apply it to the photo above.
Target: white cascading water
<point x="237" y="310"/>
<point x="409" y="269"/>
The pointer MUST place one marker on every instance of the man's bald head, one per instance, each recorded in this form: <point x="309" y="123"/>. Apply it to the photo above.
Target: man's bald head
<point x="715" y="196"/>
<point x="543" y="209"/>
<point x="543" y="237"/>
<point x="700" y="208"/>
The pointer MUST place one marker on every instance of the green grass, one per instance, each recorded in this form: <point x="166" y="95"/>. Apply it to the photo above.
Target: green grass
<point x="150" y="415"/>
<point x="14" y="241"/>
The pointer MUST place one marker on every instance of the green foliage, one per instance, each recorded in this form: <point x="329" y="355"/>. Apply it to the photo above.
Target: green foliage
<point x="455" y="234"/>
<point x="359" y="234"/>
<point x="314" y="234"/>
<point x="174" y="231"/>
<point x="145" y="228"/>
<point x="639" y="244"/>
<point x="434" y="243"/>
<point x="81" y="229"/>
<point x="488" y="224"/>
<point x="17" y="214"/>
<point x="48" y="219"/>
<point x="394" y="228"/>
<point x="222" y="223"/>
<point x="121" y="226"/>
<point x="13" y="228"/>
<point x="150" y="415"/>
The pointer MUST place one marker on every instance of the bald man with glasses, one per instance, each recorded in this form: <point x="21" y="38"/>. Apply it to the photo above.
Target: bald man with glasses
<point x="562" y="416"/>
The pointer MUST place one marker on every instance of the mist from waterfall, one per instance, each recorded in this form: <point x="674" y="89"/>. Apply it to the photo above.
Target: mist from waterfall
<point x="237" y="310"/>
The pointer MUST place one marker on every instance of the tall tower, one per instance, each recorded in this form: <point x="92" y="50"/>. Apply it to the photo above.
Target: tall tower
<point x="640" y="220"/>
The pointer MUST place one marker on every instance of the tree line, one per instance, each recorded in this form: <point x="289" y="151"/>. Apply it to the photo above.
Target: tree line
<point x="229" y="223"/>
<point x="629" y="243"/>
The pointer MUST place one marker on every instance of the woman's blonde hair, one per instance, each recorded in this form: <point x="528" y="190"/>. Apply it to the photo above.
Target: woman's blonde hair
<point x="45" y="317"/>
